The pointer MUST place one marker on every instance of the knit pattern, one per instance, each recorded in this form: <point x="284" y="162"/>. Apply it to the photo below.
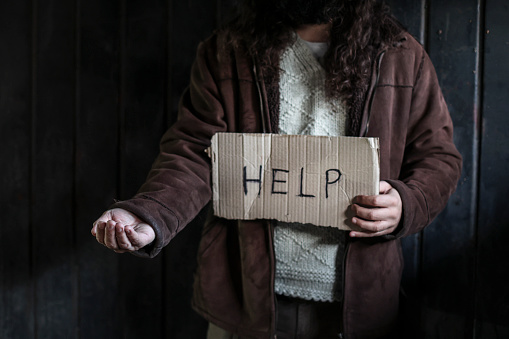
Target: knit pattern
<point x="308" y="258"/>
<point x="309" y="261"/>
<point x="304" y="108"/>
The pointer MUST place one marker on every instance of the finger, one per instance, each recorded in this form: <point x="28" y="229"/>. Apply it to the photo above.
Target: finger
<point x="140" y="235"/>
<point x="94" y="228"/>
<point x="384" y="200"/>
<point x="110" y="239"/>
<point x="372" y="226"/>
<point x="373" y="214"/>
<point x="99" y="236"/>
<point x="105" y="216"/>
<point x="123" y="241"/>
<point x="101" y="220"/>
<point x="136" y="238"/>
<point x="373" y="229"/>
<point x="357" y="234"/>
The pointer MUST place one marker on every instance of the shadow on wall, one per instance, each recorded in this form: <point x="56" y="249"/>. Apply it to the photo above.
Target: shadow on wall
<point x="441" y="304"/>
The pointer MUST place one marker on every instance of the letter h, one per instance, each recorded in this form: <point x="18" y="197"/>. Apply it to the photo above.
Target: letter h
<point x="246" y="180"/>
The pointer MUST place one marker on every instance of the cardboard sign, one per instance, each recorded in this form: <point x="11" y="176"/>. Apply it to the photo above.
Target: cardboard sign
<point x="292" y="178"/>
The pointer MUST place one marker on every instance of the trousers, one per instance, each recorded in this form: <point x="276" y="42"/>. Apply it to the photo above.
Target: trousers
<point x="298" y="319"/>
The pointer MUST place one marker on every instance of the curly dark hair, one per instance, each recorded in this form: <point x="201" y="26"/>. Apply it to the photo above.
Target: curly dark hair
<point x="358" y="29"/>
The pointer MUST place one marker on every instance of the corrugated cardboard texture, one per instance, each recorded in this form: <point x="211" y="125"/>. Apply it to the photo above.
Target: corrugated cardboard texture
<point x="292" y="178"/>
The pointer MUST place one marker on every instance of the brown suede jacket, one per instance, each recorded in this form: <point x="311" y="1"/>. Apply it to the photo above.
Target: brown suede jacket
<point x="234" y="282"/>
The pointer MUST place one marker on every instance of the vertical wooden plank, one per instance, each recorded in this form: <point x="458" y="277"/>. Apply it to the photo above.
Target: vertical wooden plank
<point x="190" y="22"/>
<point x="144" y="81"/>
<point x="492" y="311"/>
<point x="53" y="170"/>
<point x="449" y="244"/>
<point x="412" y="14"/>
<point x="98" y="26"/>
<point x="180" y="259"/>
<point x="16" y="286"/>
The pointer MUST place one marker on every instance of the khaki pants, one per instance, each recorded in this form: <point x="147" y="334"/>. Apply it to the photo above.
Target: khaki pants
<point x="215" y="332"/>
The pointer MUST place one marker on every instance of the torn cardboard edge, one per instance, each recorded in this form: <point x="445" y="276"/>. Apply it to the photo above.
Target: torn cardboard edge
<point x="292" y="178"/>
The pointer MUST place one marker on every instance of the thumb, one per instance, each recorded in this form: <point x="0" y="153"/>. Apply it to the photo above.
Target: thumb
<point x="140" y="236"/>
<point x="385" y="187"/>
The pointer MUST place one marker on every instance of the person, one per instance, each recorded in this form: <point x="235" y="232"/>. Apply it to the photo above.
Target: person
<point x="324" y="67"/>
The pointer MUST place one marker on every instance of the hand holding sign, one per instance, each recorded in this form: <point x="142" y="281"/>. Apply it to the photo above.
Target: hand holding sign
<point x="377" y="215"/>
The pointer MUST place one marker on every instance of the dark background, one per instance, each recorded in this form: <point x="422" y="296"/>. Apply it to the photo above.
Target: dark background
<point x="87" y="87"/>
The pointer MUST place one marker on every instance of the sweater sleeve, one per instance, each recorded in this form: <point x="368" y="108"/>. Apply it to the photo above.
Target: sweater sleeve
<point x="431" y="165"/>
<point x="178" y="185"/>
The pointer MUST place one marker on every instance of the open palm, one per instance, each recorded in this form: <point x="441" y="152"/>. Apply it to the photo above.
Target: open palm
<point x="122" y="231"/>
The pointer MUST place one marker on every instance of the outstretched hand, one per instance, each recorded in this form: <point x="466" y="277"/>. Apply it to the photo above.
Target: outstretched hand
<point x="377" y="215"/>
<point x="122" y="231"/>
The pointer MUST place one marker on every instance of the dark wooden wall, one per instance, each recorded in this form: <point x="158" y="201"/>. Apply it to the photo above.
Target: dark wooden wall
<point x="88" y="87"/>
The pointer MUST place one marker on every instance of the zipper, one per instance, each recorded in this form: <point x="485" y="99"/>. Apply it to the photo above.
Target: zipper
<point x="371" y="99"/>
<point x="272" y="257"/>
<point x="260" y="96"/>
<point x="270" y="224"/>
<point x="342" y="334"/>
<point x="343" y="277"/>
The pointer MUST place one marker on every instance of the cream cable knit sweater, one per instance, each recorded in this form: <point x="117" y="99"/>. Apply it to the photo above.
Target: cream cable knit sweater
<point x="307" y="256"/>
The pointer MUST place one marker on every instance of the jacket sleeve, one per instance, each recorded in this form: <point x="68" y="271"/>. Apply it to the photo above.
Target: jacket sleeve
<point x="178" y="185"/>
<point x="431" y="164"/>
